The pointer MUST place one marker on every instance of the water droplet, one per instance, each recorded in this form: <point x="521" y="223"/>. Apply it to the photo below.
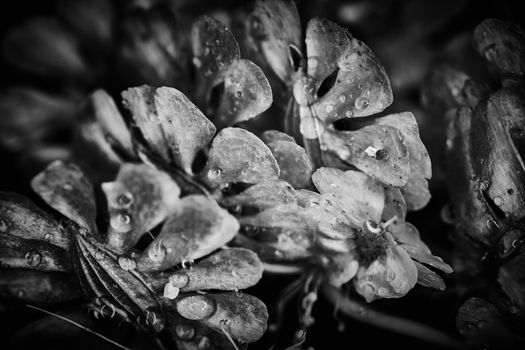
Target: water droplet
<point x="82" y="231"/>
<point x="185" y="331"/>
<point x="215" y="172"/>
<point x="3" y="226"/>
<point x="313" y="62"/>
<point x="67" y="186"/>
<point x="382" y="292"/>
<point x="329" y="108"/>
<point x="125" y="199"/>
<point x="342" y="98"/>
<point x="361" y="103"/>
<point x="170" y="291"/>
<point x="49" y="237"/>
<point x="33" y="258"/>
<point x="197" y="62"/>
<point x="497" y="201"/>
<point x="121" y="222"/>
<point x="127" y="263"/>
<point x="238" y="94"/>
<point x="491" y="53"/>
<point x="349" y="114"/>
<point x="390" y="275"/>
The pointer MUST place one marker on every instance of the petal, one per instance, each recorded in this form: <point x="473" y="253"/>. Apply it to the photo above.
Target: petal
<point x="197" y="228"/>
<point x="275" y="28"/>
<point x="502" y="44"/>
<point x="392" y="278"/>
<point x="294" y="163"/>
<point x="43" y="46"/>
<point x="416" y="193"/>
<point x="261" y="196"/>
<point x="274" y="135"/>
<point x="21" y="218"/>
<point x="394" y="204"/>
<point x="173" y="127"/>
<point x="428" y="278"/>
<point x="288" y="228"/>
<point x="362" y="197"/>
<point x="361" y="87"/>
<point x="511" y="277"/>
<point x="238" y="156"/>
<point x="376" y="150"/>
<point x="247" y="94"/>
<point x="214" y="51"/>
<point x="65" y="188"/>
<point x="342" y="269"/>
<point x="242" y="316"/>
<point x="138" y="200"/>
<point x="227" y="269"/>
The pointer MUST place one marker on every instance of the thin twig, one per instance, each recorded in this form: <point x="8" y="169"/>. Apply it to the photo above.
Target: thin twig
<point x="360" y="312"/>
<point x="79" y="326"/>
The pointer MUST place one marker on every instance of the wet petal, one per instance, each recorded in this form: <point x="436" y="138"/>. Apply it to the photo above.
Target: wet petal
<point x="392" y="278"/>
<point x="378" y="151"/>
<point x="361" y="86"/>
<point x="65" y="188"/>
<point x="342" y="269"/>
<point x="237" y="155"/>
<point x="44" y="46"/>
<point x="138" y="200"/>
<point x="263" y="195"/>
<point x="274" y="135"/>
<point x="502" y="44"/>
<point x="247" y="93"/>
<point x="214" y="51"/>
<point x="394" y="204"/>
<point x="294" y="163"/>
<point x="288" y="228"/>
<point x="242" y="316"/>
<point x="275" y="28"/>
<point x="362" y="197"/>
<point x="197" y="228"/>
<point x="227" y="269"/>
<point x="20" y="217"/>
<point x="428" y="278"/>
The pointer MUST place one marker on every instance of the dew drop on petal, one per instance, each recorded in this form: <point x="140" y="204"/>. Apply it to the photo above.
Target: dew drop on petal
<point x="342" y="98"/>
<point x="3" y="226"/>
<point x="125" y="199"/>
<point x="33" y="258"/>
<point x="214" y="172"/>
<point x="82" y="231"/>
<point x="197" y="62"/>
<point x="67" y="186"/>
<point x="390" y="275"/>
<point x="313" y="62"/>
<point x="349" y="114"/>
<point x="121" y="222"/>
<point x="49" y="237"/>
<point x="171" y="291"/>
<point x="382" y="292"/>
<point x="204" y="343"/>
<point x="238" y="94"/>
<point x="329" y="108"/>
<point x="361" y="103"/>
<point x="185" y="331"/>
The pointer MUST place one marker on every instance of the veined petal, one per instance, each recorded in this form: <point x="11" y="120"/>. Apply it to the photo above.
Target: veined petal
<point x="295" y="165"/>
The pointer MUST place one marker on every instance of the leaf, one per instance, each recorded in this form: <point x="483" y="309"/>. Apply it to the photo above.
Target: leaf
<point x="362" y="197"/>
<point x="238" y="156"/>
<point x="242" y="316"/>
<point x="138" y="200"/>
<point x="228" y="269"/>
<point x="197" y="228"/>
<point x="294" y="163"/>
<point x="262" y="195"/>
<point x="21" y="218"/>
<point x="172" y="126"/>
<point x="392" y="277"/>
<point x="65" y="189"/>
<point x="376" y="150"/>
<point x="361" y="87"/>
<point x="247" y="93"/>
<point x="275" y="28"/>
<point x="16" y="252"/>
<point x="428" y="278"/>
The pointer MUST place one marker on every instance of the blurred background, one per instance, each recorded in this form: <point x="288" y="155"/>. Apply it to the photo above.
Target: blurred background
<point x="407" y="36"/>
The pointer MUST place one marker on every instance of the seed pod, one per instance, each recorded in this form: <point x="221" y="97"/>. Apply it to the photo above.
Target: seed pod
<point x="31" y="254"/>
<point x="39" y="286"/>
<point x="242" y="316"/>
<point x="21" y="218"/>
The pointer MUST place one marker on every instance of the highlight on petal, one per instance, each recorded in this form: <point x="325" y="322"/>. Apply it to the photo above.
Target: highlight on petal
<point x="247" y="93"/>
<point x="172" y="126"/>
<point x="197" y="228"/>
<point x="274" y="135"/>
<point x="362" y="197"/>
<point x="261" y="196"/>
<point x="242" y="316"/>
<point x="21" y="218"/>
<point x="43" y="46"/>
<point x="228" y="269"/>
<point x="65" y="188"/>
<point x="295" y="165"/>
<point x="378" y="151"/>
<point x="138" y="200"/>
<point x="275" y="28"/>
<point x="238" y="156"/>
<point x="392" y="277"/>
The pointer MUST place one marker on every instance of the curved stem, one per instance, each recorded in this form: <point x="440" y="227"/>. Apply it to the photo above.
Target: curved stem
<point x="360" y="312"/>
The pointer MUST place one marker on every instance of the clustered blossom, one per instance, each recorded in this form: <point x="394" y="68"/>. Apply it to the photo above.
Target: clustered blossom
<point x="178" y="164"/>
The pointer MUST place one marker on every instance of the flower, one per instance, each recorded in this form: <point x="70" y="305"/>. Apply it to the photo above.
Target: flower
<point x="145" y="285"/>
